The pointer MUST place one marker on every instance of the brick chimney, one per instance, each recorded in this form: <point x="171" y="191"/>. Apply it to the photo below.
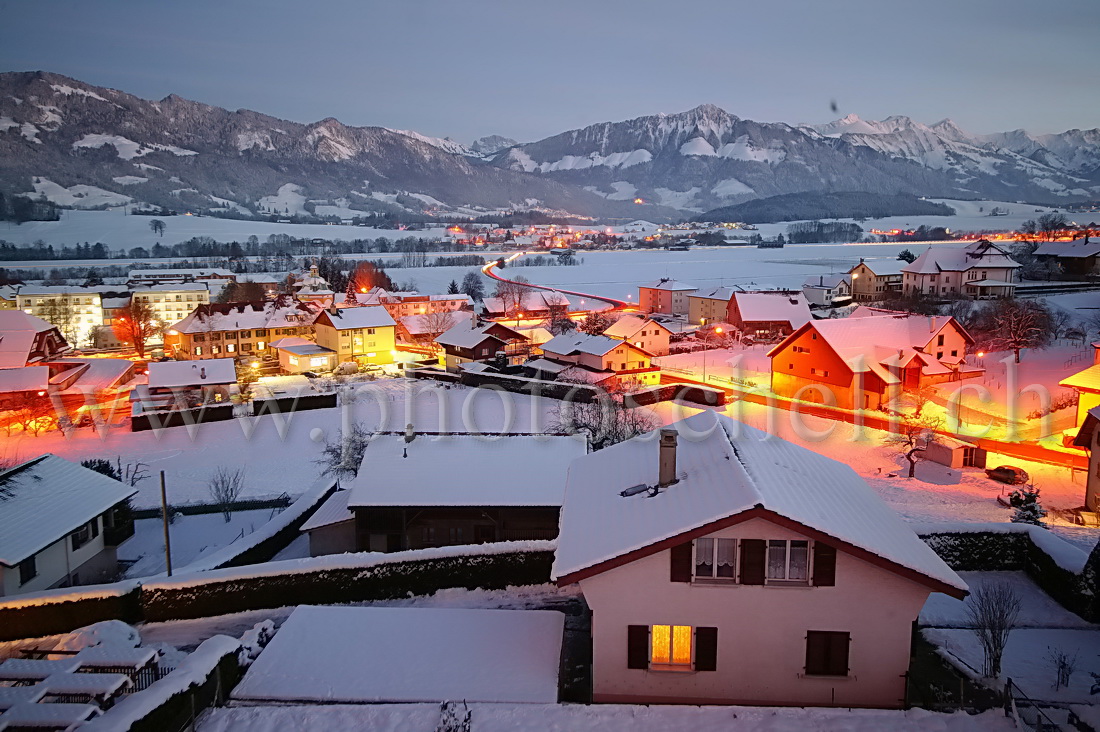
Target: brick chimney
<point x="667" y="468"/>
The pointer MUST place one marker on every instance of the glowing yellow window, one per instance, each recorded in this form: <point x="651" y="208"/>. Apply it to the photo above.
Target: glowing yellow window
<point x="670" y="645"/>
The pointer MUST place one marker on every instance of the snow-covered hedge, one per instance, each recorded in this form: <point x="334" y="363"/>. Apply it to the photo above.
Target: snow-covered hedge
<point x="1053" y="563"/>
<point x="59" y="611"/>
<point x="345" y="578"/>
<point x="205" y="677"/>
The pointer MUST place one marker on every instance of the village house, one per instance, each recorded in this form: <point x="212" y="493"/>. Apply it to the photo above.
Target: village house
<point x="400" y="305"/>
<point x="1077" y="258"/>
<point x="238" y="329"/>
<point x="363" y="335"/>
<point x="602" y="357"/>
<point x="709" y="306"/>
<point x="646" y="334"/>
<point x="826" y="291"/>
<point x="26" y="340"/>
<point x="445" y="489"/>
<point x="170" y="302"/>
<point x="1088" y="439"/>
<point x="313" y="288"/>
<point x="533" y="304"/>
<point x="1087" y="385"/>
<point x="9" y="297"/>
<point x="77" y="312"/>
<point x="146" y="277"/>
<point x="469" y="342"/>
<point x="767" y="315"/>
<point x="979" y="270"/>
<point x="719" y="570"/>
<point x="59" y="525"/>
<point x="867" y="362"/>
<point x="298" y="355"/>
<point x="879" y="279"/>
<point x="665" y="296"/>
<point x="424" y="329"/>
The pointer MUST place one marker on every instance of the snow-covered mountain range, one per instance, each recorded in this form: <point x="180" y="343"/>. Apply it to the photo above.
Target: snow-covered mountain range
<point x="88" y="146"/>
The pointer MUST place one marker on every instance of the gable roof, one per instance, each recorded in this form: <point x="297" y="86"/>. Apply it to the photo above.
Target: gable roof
<point x="728" y="471"/>
<point x="282" y="312"/>
<point x="568" y="344"/>
<point x="671" y="285"/>
<point x="1086" y="380"/>
<point x="1083" y="247"/>
<point x="179" y="374"/>
<point x="826" y="282"/>
<point x="371" y="316"/>
<point x="467" y="335"/>
<point x="45" y="499"/>
<point x="714" y="293"/>
<point x="628" y="325"/>
<point x="1088" y="427"/>
<point x="981" y="253"/>
<point x="426" y="323"/>
<point x="771" y="306"/>
<point x="28" y="378"/>
<point x="533" y="300"/>
<point x="882" y="267"/>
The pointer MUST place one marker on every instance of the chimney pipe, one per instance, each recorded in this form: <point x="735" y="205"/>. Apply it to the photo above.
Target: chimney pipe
<point x="667" y="466"/>
<point x="202" y="373"/>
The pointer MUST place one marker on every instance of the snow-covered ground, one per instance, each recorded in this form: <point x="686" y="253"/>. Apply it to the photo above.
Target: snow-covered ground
<point x="595" y="718"/>
<point x="118" y="231"/>
<point x="192" y="536"/>
<point x="1037" y="609"/>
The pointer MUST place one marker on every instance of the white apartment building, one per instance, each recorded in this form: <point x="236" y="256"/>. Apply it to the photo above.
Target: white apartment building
<point x="75" y="311"/>
<point x="172" y="303"/>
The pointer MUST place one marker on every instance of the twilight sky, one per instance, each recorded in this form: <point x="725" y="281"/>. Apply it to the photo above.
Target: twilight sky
<point x="467" y="68"/>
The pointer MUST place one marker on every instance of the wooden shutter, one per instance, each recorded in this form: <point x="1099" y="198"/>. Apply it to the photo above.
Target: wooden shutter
<point x="637" y="646"/>
<point x="824" y="565"/>
<point x="680" y="564"/>
<point x="838" y="653"/>
<point x="816" y="653"/>
<point x="827" y="653"/>
<point x="706" y="649"/>
<point x="753" y="553"/>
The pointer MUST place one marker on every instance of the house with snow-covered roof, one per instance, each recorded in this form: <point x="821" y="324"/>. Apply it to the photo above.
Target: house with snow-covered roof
<point x="238" y="329"/>
<point x="1077" y="258"/>
<point x="1087" y="385"/>
<point x="59" y="525"/>
<point x="77" y="311"/>
<point x="826" y="291"/>
<point x="26" y="340"/>
<point x="532" y="304"/>
<point x="866" y="362"/>
<point x="1088" y="439"/>
<point x="603" y="357"/>
<point x="665" y="296"/>
<point x="470" y="341"/>
<point x="443" y="489"/>
<point x="725" y="566"/>
<point x="876" y="279"/>
<point x="297" y="355"/>
<point x="979" y="270"/>
<point x="645" y="333"/>
<point x="709" y="305"/>
<point x="764" y="315"/>
<point x="363" y="335"/>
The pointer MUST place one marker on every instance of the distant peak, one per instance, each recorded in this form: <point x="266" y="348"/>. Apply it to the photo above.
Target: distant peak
<point x="707" y="110"/>
<point x="849" y="119"/>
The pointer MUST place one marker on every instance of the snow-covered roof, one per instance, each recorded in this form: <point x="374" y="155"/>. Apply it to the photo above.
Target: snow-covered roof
<point x="827" y="282"/>
<point x="179" y="374"/>
<point x="17" y="321"/>
<point x="574" y="343"/>
<point x="28" y="378"/>
<point x="769" y="306"/>
<point x="883" y="267"/>
<point x="671" y="285"/>
<point x="714" y="293"/>
<point x="372" y="316"/>
<point x="626" y="326"/>
<point x="308" y="348"/>
<point x="1087" y="380"/>
<point x="333" y="511"/>
<point x="47" y="498"/>
<point x="547" y="366"/>
<point x="282" y="312"/>
<point x="467" y="334"/>
<point x="532" y="301"/>
<point x="41" y="290"/>
<point x="981" y="253"/>
<point x="464" y="470"/>
<point x="152" y="274"/>
<point x="1083" y="247"/>
<point x="428" y="323"/>
<point x="60" y="716"/>
<point x="726" y="468"/>
<point x="177" y="287"/>
<point x="409" y="654"/>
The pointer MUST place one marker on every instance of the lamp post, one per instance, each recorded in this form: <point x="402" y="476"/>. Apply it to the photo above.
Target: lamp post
<point x="717" y="331"/>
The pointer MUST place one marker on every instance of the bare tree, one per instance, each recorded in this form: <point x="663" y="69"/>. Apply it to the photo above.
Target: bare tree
<point x="61" y="311"/>
<point x="993" y="610"/>
<point x="158" y="227"/>
<point x="1063" y="664"/>
<point x="1015" y="325"/>
<point x="595" y="323"/>
<point x="1050" y="224"/>
<point x="225" y="486"/>
<point x="435" y="324"/>
<point x="511" y="294"/>
<point x="913" y="435"/>
<point x="342" y="456"/>
<point x="606" y="421"/>
<point x="136" y="324"/>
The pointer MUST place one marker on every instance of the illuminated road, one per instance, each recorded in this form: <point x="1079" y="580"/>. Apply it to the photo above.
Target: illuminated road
<point x="487" y="270"/>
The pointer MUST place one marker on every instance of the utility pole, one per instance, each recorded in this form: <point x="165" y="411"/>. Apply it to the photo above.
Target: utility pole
<point x="164" y="518"/>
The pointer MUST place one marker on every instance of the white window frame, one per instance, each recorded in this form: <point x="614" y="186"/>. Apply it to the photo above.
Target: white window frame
<point x="786" y="578"/>
<point x="670" y="665"/>
<point x="714" y="545"/>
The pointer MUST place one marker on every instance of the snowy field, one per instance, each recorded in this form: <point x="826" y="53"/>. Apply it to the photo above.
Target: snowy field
<point x="116" y="230"/>
<point x="1037" y="609"/>
<point x="595" y="718"/>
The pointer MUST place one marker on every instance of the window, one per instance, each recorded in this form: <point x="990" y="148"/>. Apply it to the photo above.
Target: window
<point x="260" y="345"/>
<point x="939" y="340"/>
<point x="94" y="524"/>
<point x="714" y="559"/>
<point x="28" y="570"/>
<point x="954" y="353"/>
<point x="246" y="334"/>
<point x="246" y="346"/>
<point x="670" y="645"/>
<point x="788" y="560"/>
<point x="231" y="347"/>
<point x="672" y="648"/>
<point x="261" y="333"/>
<point x="198" y="350"/>
<point x="81" y="536"/>
<point x="827" y="653"/>
<point x="813" y="370"/>
<point x="199" y="338"/>
<point x="216" y="350"/>
<point x="939" y="354"/>
<point x="370" y="331"/>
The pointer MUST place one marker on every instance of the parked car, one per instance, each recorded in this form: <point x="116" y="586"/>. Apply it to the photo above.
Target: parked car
<point x="1007" y="474"/>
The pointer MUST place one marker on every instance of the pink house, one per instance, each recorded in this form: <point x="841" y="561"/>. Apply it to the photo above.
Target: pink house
<point x="726" y="566"/>
<point x="646" y="334"/>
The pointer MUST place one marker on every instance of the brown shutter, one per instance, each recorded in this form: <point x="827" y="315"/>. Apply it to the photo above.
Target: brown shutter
<point x="680" y="564"/>
<point x="637" y="646"/>
<point x="824" y="565"/>
<point x="753" y="553"/>
<point x="706" y="649"/>
<point x="816" y="653"/>
<point x="838" y="653"/>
